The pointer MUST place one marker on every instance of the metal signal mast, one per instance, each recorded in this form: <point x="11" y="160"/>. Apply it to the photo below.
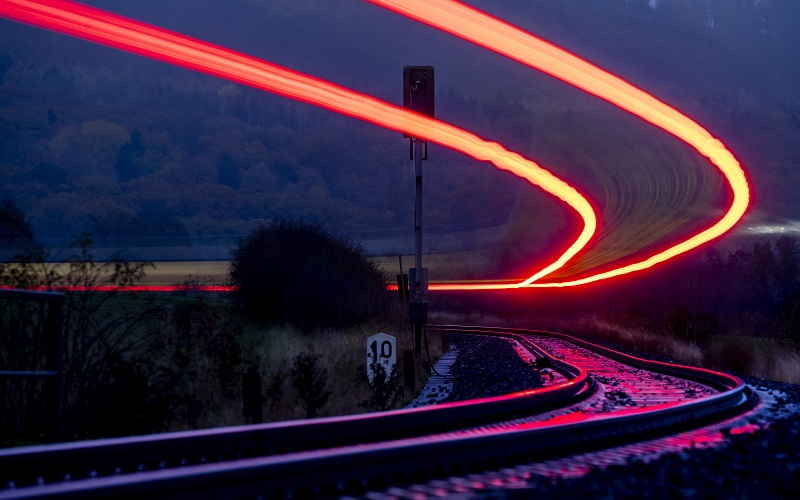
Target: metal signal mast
<point x="418" y="96"/>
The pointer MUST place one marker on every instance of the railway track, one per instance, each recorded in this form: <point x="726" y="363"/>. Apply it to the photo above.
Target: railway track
<point x="624" y="400"/>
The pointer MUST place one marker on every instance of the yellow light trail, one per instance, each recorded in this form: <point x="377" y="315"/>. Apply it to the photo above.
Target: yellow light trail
<point x="451" y="16"/>
<point x="133" y="36"/>
<point x="482" y="29"/>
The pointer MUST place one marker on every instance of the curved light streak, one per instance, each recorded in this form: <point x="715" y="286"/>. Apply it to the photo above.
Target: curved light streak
<point x="133" y="288"/>
<point x="453" y="17"/>
<point x="129" y="35"/>
<point x="489" y="32"/>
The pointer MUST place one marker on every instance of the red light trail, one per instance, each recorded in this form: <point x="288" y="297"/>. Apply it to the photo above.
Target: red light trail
<point x="480" y="28"/>
<point x="129" y="35"/>
<point x="135" y="288"/>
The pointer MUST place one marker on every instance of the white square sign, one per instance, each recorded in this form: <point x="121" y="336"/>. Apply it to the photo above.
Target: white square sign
<point x="381" y="348"/>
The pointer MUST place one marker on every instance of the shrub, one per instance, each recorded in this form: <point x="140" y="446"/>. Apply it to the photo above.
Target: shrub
<point x="737" y="354"/>
<point x="386" y="392"/>
<point x="275" y="386"/>
<point x="791" y="317"/>
<point x="311" y="382"/>
<point x="695" y="328"/>
<point x="127" y="402"/>
<point x="196" y="358"/>
<point x="100" y="334"/>
<point x="300" y="273"/>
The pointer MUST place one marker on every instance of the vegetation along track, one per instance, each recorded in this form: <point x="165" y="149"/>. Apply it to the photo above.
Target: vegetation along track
<point x="351" y="455"/>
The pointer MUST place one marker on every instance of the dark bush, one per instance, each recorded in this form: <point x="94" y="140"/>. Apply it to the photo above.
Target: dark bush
<point x="274" y="392"/>
<point x="126" y="403"/>
<point x="311" y="382"/>
<point x="300" y="273"/>
<point x="696" y="328"/>
<point x="200" y="358"/>
<point x="386" y="392"/>
<point x="791" y="317"/>
<point x="736" y="354"/>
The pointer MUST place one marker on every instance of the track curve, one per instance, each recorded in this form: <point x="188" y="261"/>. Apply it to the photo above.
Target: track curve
<point x="351" y="454"/>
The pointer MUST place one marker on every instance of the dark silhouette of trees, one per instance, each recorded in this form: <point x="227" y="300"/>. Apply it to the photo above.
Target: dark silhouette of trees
<point x="791" y="317"/>
<point x="128" y="161"/>
<point x="132" y="364"/>
<point x="311" y="382"/>
<point x="300" y="273"/>
<point x="695" y="328"/>
<point x="753" y="289"/>
<point x="143" y="229"/>
<point x="787" y="265"/>
<point x="14" y="227"/>
<point x="229" y="171"/>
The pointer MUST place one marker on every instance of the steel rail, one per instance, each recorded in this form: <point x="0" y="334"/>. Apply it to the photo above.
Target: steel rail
<point x="376" y="465"/>
<point x="22" y="467"/>
<point x="718" y="380"/>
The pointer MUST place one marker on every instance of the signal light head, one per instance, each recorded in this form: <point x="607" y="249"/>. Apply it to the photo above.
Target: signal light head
<point x="418" y="89"/>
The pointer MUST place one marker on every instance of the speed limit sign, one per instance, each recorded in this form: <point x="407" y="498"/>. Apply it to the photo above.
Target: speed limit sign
<point x="381" y="348"/>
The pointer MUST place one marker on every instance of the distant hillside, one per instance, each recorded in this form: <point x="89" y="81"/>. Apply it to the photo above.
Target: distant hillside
<point x="92" y="139"/>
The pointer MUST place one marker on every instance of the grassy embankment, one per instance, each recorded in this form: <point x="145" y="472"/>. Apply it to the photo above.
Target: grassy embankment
<point x="739" y="352"/>
<point x="270" y="349"/>
<point x="343" y="357"/>
<point x="138" y="363"/>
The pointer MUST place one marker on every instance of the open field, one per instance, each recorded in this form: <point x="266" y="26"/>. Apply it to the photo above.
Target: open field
<point x="461" y="265"/>
<point x="170" y="273"/>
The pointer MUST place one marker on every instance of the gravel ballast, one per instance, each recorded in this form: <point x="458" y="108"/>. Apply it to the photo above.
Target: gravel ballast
<point x="487" y="366"/>
<point x="763" y="463"/>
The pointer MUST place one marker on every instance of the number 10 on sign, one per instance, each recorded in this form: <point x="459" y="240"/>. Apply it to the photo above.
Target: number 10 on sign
<point x="381" y="348"/>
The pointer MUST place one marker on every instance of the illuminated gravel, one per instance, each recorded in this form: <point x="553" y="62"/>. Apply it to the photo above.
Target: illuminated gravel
<point x="757" y="454"/>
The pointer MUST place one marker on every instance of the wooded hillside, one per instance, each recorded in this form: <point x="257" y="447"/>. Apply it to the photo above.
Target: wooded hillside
<point x="96" y="140"/>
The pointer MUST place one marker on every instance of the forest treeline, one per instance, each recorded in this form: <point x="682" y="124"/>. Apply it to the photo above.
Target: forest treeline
<point x="100" y="141"/>
<point x="736" y="310"/>
<point x="724" y="309"/>
<point x="752" y="291"/>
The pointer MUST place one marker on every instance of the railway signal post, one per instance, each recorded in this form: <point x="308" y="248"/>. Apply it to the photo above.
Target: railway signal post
<point x="418" y="97"/>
